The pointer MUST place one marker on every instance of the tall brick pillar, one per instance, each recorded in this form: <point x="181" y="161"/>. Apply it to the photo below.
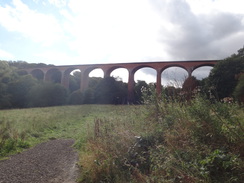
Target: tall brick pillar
<point x="65" y="79"/>
<point x="131" y="84"/>
<point x="84" y="80"/>
<point x="189" y="70"/>
<point x="158" y="82"/>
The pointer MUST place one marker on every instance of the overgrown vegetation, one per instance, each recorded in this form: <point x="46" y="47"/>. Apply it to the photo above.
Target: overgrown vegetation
<point x="197" y="142"/>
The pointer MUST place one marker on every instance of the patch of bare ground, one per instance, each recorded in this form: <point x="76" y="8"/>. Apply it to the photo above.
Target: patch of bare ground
<point x="50" y="162"/>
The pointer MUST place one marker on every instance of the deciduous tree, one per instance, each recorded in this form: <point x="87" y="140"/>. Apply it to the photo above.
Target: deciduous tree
<point x="222" y="76"/>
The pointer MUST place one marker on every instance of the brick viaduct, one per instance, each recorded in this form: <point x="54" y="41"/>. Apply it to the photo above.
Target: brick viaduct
<point x="47" y="71"/>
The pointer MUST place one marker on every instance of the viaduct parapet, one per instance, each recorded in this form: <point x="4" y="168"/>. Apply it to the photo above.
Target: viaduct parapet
<point x="45" y="73"/>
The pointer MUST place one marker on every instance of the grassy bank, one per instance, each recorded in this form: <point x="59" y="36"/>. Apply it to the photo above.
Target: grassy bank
<point x="157" y="142"/>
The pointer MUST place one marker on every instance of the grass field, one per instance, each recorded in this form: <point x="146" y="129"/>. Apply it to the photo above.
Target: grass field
<point x="40" y="124"/>
<point x="158" y="142"/>
<point x="36" y="125"/>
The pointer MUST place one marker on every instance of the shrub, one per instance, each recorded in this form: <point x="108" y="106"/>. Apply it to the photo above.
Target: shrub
<point x="10" y="139"/>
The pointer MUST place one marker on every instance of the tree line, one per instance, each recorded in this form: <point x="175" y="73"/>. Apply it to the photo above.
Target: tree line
<point x="18" y="90"/>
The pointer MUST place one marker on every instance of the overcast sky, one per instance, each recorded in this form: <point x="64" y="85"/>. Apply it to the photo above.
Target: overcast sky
<point x="64" y="32"/>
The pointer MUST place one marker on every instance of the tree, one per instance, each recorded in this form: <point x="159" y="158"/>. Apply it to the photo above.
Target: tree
<point x="110" y="91"/>
<point x="239" y="89"/>
<point x="47" y="94"/>
<point x="19" y="90"/>
<point x="138" y="91"/>
<point x="74" y="81"/>
<point x="222" y="76"/>
<point x="76" y="98"/>
<point x="189" y="86"/>
<point x="6" y="75"/>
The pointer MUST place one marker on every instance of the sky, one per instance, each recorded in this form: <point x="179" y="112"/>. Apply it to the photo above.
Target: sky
<point x="67" y="32"/>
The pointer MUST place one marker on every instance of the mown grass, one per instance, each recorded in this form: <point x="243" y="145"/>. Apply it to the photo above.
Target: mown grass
<point x="161" y="141"/>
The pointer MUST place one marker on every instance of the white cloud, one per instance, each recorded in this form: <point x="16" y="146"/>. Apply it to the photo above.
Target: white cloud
<point x="41" y="28"/>
<point x="210" y="6"/>
<point x="113" y="31"/>
<point x="58" y="3"/>
<point x="4" y="55"/>
<point x="57" y="58"/>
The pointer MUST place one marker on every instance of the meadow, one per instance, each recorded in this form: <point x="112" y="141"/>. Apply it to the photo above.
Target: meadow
<point x="160" y="141"/>
<point x="28" y="127"/>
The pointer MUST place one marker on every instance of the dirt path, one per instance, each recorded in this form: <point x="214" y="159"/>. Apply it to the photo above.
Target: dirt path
<point x="50" y="162"/>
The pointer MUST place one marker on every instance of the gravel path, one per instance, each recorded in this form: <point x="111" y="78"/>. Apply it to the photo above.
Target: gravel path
<point x="49" y="162"/>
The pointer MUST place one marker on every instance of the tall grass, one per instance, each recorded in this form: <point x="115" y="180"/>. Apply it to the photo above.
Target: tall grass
<point x="167" y="142"/>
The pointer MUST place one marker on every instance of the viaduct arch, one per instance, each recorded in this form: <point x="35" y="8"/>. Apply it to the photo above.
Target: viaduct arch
<point x="45" y="73"/>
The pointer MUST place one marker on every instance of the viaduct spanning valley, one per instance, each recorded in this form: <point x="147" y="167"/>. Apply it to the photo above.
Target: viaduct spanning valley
<point x="46" y="73"/>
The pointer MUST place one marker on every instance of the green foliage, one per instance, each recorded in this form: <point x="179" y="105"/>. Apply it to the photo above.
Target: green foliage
<point x="5" y="72"/>
<point x="19" y="90"/>
<point x="222" y="76"/>
<point x="11" y="140"/>
<point x="217" y="123"/>
<point x="162" y="141"/>
<point x="47" y="94"/>
<point x="220" y="166"/>
<point x="198" y="142"/>
<point x="74" y="81"/>
<point x="88" y="96"/>
<point x="108" y="153"/>
<point x="24" y="65"/>
<point x="6" y="75"/>
<point x="101" y="91"/>
<point x="239" y="90"/>
<point x="139" y="86"/>
<point x="76" y="98"/>
<point x="109" y="91"/>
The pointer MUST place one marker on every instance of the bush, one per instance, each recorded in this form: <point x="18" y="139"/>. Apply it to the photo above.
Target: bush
<point x="239" y="90"/>
<point x="76" y="98"/>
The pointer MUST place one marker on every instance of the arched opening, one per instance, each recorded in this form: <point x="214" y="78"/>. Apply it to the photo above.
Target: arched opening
<point x="145" y="78"/>
<point x="97" y="73"/>
<point x="146" y="74"/>
<point x="38" y="74"/>
<point x="54" y="75"/>
<point x="74" y="80"/>
<point x="120" y="74"/>
<point x="202" y="72"/>
<point x="95" y="76"/>
<point x="173" y="77"/>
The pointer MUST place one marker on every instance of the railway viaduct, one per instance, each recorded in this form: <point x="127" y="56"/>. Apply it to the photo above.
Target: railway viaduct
<point x="45" y="73"/>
